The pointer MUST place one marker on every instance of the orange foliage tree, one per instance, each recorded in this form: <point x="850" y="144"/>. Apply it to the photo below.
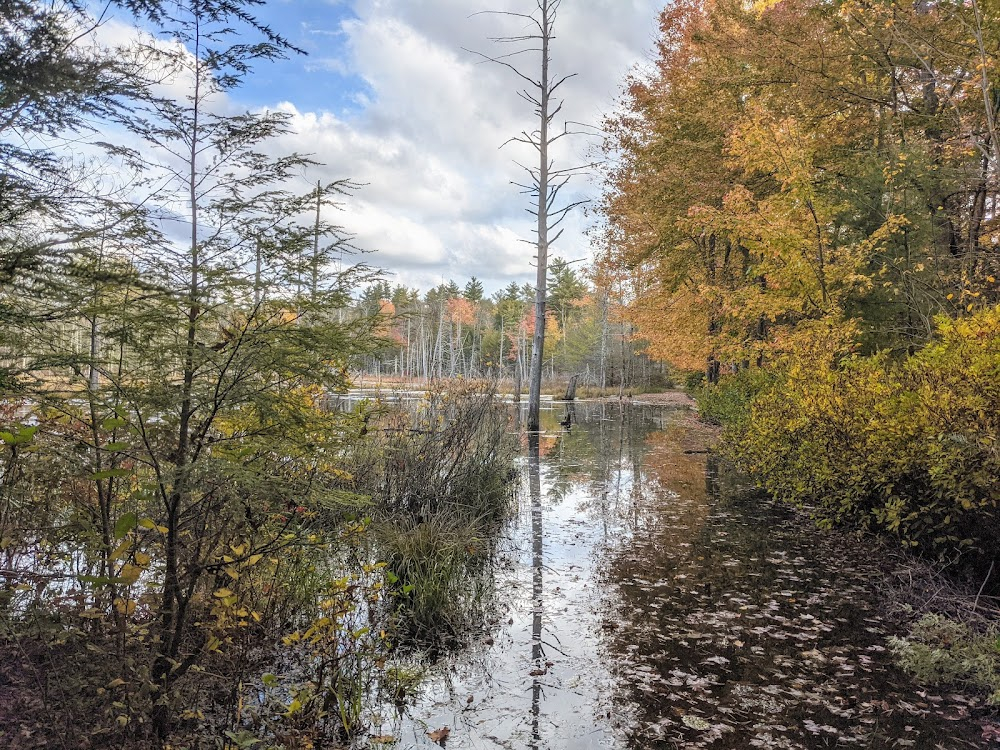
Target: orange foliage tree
<point x="800" y="161"/>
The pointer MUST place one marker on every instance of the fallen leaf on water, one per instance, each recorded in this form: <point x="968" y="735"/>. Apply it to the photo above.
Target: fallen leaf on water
<point x="537" y="672"/>
<point x="386" y="739"/>
<point x="470" y="699"/>
<point x="439" y="735"/>
<point x="991" y="731"/>
<point x="695" y="722"/>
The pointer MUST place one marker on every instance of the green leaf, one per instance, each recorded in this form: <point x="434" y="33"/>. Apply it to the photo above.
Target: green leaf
<point x="20" y="436"/>
<point x="125" y="524"/>
<point x="116" y="446"/>
<point x="113" y="423"/>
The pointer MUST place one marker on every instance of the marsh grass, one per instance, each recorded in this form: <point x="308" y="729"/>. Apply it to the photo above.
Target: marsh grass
<point x="445" y="580"/>
<point x="440" y="476"/>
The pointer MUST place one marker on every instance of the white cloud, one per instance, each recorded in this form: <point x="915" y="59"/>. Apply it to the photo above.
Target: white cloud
<point x="437" y="201"/>
<point x="425" y="135"/>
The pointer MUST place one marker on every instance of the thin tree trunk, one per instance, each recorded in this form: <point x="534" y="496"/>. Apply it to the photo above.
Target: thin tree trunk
<point x="314" y="286"/>
<point x="538" y="345"/>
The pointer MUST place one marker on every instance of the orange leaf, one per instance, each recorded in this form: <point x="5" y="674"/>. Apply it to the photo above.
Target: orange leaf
<point x="439" y="735"/>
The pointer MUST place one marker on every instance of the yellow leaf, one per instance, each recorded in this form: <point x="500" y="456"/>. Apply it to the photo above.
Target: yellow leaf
<point x="130" y="573"/>
<point x="223" y="593"/>
<point x="141" y="558"/>
<point x="120" y="550"/>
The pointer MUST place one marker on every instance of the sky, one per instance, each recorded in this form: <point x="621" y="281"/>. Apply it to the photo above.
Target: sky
<point x="388" y="96"/>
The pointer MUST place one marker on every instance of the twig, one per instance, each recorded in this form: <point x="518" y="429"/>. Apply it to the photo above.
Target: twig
<point x="980" y="593"/>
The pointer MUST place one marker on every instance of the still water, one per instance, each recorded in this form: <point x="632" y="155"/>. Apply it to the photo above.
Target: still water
<point x="645" y="598"/>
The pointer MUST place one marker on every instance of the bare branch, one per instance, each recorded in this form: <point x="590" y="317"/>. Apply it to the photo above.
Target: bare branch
<point x="498" y="61"/>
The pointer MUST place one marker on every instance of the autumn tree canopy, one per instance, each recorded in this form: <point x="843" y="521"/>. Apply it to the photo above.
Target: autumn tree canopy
<point x="800" y="166"/>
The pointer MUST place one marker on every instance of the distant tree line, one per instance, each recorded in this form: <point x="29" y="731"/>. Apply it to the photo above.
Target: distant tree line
<point x="457" y="331"/>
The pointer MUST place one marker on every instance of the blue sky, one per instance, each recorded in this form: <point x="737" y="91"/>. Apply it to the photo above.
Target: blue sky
<point x="319" y="80"/>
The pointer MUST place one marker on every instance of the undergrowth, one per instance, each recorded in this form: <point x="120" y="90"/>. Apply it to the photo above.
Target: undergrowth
<point x="944" y="651"/>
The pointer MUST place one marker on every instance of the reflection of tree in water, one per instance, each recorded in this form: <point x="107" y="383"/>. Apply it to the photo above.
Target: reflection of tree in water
<point x="537" y="548"/>
<point x="602" y="448"/>
<point x="601" y="451"/>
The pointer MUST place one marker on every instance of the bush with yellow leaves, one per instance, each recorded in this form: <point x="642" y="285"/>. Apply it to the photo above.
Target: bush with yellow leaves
<point x="904" y="446"/>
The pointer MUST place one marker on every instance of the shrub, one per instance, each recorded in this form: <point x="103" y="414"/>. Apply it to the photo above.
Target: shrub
<point x="908" y="447"/>
<point x="728" y="402"/>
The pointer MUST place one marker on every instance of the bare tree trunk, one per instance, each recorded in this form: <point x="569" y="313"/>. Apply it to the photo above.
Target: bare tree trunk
<point x="545" y="182"/>
<point x="541" y="278"/>
<point x="604" y="344"/>
<point x="406" y="362"/>
<point x="571" y="389"/>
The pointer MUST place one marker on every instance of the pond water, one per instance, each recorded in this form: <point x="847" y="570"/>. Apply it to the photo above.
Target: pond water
<point x="646" y="599"/>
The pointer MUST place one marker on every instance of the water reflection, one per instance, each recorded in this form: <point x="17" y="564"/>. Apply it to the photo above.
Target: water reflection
<point x="535" y="493"/>
<point x="649" y="600"/>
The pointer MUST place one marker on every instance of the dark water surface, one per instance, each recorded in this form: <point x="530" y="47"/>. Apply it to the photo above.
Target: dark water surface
<point x="648" y="600"/>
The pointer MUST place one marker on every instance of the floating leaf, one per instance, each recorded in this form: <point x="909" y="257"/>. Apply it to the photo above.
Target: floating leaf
<point x="439" y="735"/>
<point x="695" y="722"/>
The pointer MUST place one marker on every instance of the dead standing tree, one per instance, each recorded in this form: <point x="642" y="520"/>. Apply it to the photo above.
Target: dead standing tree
<point x="545" y="182"/>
